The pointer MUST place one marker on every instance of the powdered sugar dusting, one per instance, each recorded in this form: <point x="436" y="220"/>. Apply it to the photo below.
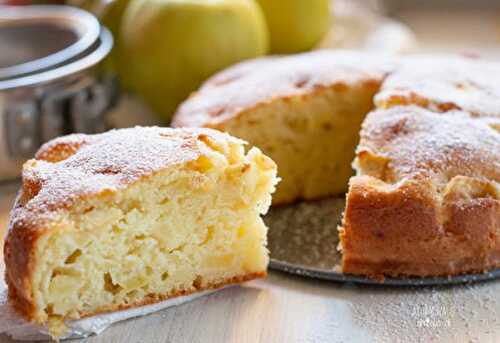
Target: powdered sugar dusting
<point x="420" y="143"/>
<point x="467" y="313"/>
<point x="263" y="80"/>
<point x="96" y="163"/>
<point x="443" y="82"/>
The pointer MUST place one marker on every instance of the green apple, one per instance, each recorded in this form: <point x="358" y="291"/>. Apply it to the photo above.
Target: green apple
<point x="110" y="13"/>
<point x="169" y="47"/>
<point x="111" y="16"/>
<point x="296" y="25"/>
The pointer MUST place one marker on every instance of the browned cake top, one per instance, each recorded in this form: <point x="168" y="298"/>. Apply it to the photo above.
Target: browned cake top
<point x="74" y="166"/>
<point x="438" y="82"/>
<point x="444" y="83"/>
<point x="251" y="83"/>
<point x="414" y="143"/>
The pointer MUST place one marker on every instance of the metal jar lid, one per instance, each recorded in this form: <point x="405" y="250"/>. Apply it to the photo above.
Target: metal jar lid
<point x="41" y="38"/>
<point x="49" y="79"/>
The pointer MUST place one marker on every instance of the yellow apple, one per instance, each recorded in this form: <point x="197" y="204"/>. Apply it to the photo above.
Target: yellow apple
<point x="169" y="47"/>
<point x="296" y="25"/>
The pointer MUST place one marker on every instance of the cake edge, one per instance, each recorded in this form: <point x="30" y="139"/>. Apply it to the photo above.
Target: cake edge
<point x="476" y="222"/>
<point x="24" y="311"/>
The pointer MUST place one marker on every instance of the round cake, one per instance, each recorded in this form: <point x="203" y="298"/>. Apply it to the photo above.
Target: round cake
<point x="425" y="200"/>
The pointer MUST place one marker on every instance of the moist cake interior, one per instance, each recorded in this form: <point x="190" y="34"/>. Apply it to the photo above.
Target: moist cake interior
<point x="135" y="216"/>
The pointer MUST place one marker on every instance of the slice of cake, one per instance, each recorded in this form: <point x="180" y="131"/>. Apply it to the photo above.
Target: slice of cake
<point x="426" y="198"/>
<point x="135" y="216"/>
<point x="304" y="111"/>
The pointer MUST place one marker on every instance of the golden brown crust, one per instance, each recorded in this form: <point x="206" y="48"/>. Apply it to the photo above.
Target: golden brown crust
<point x="74" y="167"/>
<point x="432" y="204"/>
<point x="254" y="83"/>
<point x="19" y="260"/>
<point x="399" y="233"/>
<point x="19" y="293"/>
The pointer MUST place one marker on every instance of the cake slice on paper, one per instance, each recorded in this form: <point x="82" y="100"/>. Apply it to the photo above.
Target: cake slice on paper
<point x="133" y="217"/>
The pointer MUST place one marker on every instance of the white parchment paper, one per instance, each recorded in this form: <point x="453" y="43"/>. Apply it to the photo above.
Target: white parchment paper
<point x="18" y="328"/>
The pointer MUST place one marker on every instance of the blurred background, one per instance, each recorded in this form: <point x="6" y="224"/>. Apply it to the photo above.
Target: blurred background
<point x="91" y="65"/>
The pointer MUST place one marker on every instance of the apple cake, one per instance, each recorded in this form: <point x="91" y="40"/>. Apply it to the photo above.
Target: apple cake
<point x="303" y="111"/>
<point x="425" y="200"/>
<point x="134" y="216"/>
